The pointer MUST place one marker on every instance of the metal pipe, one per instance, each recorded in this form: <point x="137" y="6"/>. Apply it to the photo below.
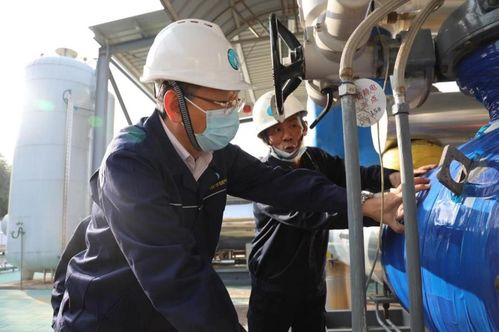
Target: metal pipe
<point x="347" y="92"/>
<point x="352" y="167"/>
<point x="347" y="56"/>
<point x="392" y="325"/>
<point x="99" y="139"/>
<point x="380" y="320"/>
<point x="401" y="112"/>
<point x="68" y="98"/>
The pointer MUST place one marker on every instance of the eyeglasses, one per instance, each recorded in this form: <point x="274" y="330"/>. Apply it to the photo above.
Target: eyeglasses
<point x="234" y="105"/>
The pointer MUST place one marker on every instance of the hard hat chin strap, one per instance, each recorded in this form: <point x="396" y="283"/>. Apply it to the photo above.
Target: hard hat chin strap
<point x="185" y="114"/>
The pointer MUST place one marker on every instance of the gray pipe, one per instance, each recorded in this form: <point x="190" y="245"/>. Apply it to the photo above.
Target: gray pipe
<point x="401" y="112"/>
<point x="356" y="236"/>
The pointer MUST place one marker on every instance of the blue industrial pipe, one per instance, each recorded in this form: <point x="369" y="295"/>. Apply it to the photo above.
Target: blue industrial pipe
<point x="459" y="233"/>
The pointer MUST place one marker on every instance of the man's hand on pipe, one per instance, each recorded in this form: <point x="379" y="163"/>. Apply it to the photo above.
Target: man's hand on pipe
<point x="393" y="206"/>
<point x="395" y="178"/>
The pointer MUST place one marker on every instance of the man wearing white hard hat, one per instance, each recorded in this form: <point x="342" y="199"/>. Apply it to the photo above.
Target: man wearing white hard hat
<point x="288" y="253"/>
<point x="160" y="193"/>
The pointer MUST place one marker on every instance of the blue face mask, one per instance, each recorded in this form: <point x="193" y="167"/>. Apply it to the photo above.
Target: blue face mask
<point x="220" y="129"/>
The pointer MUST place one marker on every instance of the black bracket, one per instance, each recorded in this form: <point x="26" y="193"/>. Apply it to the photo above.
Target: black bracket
<point x="449" y="155"/>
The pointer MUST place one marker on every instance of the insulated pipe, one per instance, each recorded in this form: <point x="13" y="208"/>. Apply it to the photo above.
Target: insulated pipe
<point x="445" y="118"/>
<point x="347" y="92"/>
<point x="401" y="112"/>
<point x="336" y="24"/>
<point x="343" y="16"/>
<point x="318" y="66"/>
<point x="339" y="248"/>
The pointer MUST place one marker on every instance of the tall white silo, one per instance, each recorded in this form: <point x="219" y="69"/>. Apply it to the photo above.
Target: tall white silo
<point x="49" y="186"/>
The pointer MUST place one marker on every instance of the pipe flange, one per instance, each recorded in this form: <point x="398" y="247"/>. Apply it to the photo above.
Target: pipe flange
<point x="473" y="24"/>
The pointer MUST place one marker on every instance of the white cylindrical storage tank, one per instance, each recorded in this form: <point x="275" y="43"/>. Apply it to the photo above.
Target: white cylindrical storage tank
<point x="49" y="192"/>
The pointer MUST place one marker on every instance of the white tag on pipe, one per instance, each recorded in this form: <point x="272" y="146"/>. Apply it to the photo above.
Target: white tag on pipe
<point x="370" y="102"/>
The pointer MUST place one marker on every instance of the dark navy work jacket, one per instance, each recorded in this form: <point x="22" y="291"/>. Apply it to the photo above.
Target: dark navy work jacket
<point x="154" y="231"/>
<point x="75" y="245"/>
<point x="289" y="248"/>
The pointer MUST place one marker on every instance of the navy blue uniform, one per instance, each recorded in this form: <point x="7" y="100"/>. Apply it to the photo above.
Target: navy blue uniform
<point x="75" y="245"/>
<point x="154" y="231"/>
<point x="288" y="254"/>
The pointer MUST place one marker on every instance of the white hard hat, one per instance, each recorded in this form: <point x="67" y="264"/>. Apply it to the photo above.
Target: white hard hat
<point x="262" y="111"/>
<point x="197" y="52"/>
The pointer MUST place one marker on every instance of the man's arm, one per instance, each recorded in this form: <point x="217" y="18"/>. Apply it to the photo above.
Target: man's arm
<point x="304" y="190"/>
<point x="393" y="212"/>
<point x="298" y="219"/>
<point x="370" y="177"/>
<point x="296" y="189"/>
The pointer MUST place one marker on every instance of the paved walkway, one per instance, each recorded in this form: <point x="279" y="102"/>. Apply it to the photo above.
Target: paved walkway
<point x="27" y="309"/>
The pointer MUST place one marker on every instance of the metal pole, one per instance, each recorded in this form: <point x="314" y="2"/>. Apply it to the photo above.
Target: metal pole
<point x="120" y="99"/>
<point x="133" y="80"/>
<point x="356" y="236"/>
<point x="68" y="99"/>
<point x="22" y="256"/>
<point x="401" y="112"/>
<point x="15" y="235"/>
<point x="99" y="139"/>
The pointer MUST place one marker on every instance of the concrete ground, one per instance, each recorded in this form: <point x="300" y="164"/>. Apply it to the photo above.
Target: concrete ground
<point x="28" y="309"/>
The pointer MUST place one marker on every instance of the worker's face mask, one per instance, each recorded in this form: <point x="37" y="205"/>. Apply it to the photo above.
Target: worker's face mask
<point x="221" y="127"/>
<point x="288" y="156"/>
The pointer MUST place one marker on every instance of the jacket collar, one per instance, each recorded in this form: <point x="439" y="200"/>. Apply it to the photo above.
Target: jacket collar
<point x="167" y="152"/>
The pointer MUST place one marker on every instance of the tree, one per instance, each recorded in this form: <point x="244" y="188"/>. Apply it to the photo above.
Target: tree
<point x="4" y="186"/>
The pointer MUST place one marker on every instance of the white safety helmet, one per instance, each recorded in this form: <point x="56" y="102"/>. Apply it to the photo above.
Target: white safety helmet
<point x="194" y="51"/>
<point x="262" y="111"/>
